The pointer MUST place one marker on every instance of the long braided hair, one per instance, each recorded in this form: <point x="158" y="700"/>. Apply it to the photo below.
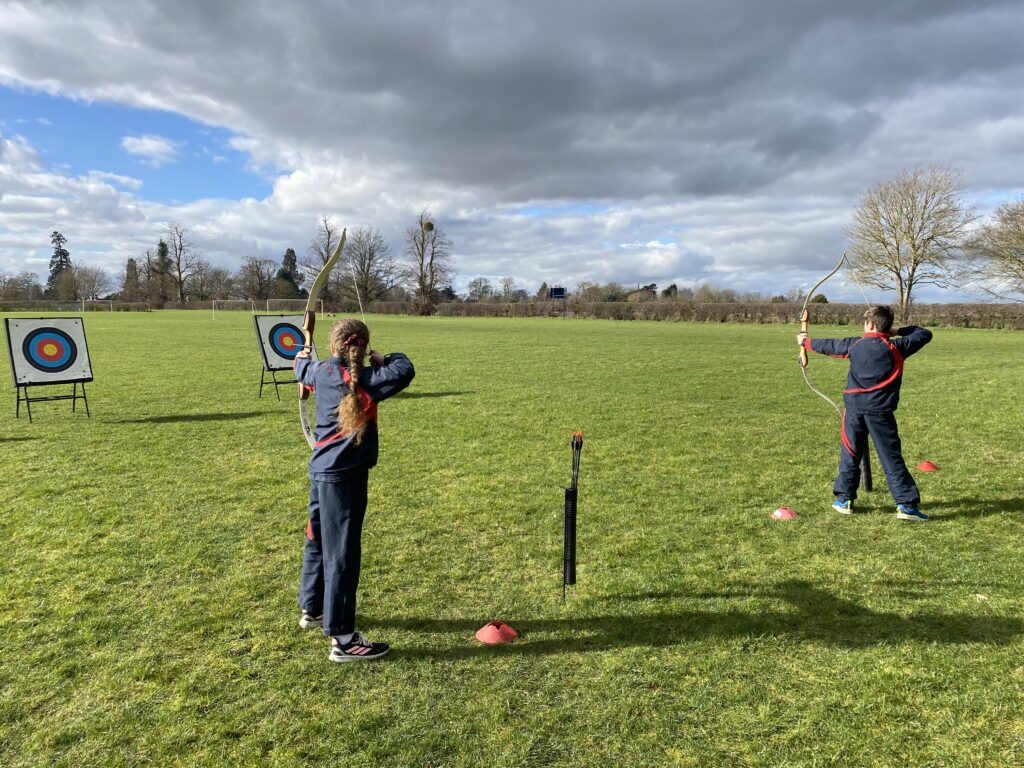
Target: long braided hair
<point x="349" y="340"/>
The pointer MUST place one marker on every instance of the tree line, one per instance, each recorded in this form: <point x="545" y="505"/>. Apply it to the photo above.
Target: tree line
<point x="175" y="272"/>
<point x="910" y="231"/>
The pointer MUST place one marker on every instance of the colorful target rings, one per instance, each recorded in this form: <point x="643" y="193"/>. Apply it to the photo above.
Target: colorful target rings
<point x="285" y="340"/>
<point x="49" y="350"/>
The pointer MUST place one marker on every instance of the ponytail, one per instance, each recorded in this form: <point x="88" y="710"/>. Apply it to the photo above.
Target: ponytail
<point x="349" y="339"/>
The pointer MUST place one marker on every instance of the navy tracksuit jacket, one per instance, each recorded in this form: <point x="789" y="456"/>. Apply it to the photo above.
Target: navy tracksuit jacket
<point x="871" y="396"/>
<point x="338" y="476"/>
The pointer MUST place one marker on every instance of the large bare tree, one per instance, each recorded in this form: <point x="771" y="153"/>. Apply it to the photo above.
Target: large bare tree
<point x="370" y="271"/>
<point x="209" y="282"/>
<point x="910" y="231"/>
<point x="428" y="269"/>
<point x="92" y="282"/>
<point x="998" y="253"/>
<point x="255" y="278"/>
<point x="320" y="251"/>
<point x="184" y="259"/>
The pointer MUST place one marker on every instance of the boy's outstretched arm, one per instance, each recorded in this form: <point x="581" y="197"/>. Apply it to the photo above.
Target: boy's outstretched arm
<point x="912" y="338"/>
<point x="831" y="347"/>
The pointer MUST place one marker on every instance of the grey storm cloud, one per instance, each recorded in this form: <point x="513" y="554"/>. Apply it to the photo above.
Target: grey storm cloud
<point x="654" y="107"/>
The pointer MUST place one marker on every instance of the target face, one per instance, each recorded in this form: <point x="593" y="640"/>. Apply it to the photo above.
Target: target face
<point x="286" y="340"/>
<point x="280" y="338"/>
<point x="47" y="350"/>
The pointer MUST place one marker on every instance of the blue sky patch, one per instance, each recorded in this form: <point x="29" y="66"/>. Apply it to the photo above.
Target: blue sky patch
<point x="176" y="159"/>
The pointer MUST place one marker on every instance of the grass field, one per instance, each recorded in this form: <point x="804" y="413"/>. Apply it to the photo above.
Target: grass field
<point x="149" y="558"/>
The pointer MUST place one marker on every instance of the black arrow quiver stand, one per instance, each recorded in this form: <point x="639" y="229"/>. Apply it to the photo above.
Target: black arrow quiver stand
<point x="569" y="536"/>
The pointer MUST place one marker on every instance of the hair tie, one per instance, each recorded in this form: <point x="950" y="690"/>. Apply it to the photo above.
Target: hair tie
<point x="353" y="341"/>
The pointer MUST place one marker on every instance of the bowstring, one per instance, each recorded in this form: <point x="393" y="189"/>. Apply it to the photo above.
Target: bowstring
<point x="355" y="284"/>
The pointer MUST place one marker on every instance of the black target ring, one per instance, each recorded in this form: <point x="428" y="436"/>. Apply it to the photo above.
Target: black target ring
<point x="49" y="350"/>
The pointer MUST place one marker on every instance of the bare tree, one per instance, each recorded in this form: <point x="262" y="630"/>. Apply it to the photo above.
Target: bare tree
<point x="24" y="285"/>
<point x="92" y="282"/>
<point x="997" y="251"/>
<point x="479" y="289"/>
<point x="184" y="259"/>
<point x="909" y="232"/>
<point x="429" y="271"/>
<point x="370" y="271"/>
<point x="589" y="291"/>
<point x="320" y="251"/>
<point x="255" y="278"/>
<point x="508" y="289"/>
<point x="209" y="282"/>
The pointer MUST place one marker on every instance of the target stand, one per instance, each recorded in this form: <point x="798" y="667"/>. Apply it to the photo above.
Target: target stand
<point x="24" y="397"/>
<point x="45" y="352"/>
<point x="280" y="338"/>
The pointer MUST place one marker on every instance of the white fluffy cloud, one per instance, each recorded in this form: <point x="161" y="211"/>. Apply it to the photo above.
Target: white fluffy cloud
<point x="731" y="139"/>
<point x="149" y="149"/>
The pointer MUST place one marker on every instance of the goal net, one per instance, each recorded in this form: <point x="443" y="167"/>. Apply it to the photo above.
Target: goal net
<point x="291" y="305"/>
<point x="233" y="305"/>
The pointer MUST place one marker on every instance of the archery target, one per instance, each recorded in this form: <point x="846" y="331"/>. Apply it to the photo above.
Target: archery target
<point x="48" y="350"/>
<point x="280" y="338"/>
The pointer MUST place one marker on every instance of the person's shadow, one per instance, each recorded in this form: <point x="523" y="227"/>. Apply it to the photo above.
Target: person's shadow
<point x="418" y="395"/>
<point x="971" y="508"/>
<point x="814" y="616"/>
<point x="188" y="417"/>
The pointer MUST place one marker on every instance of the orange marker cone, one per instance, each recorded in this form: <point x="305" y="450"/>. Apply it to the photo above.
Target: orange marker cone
<point x="496" y="632"/>
<point x="784" y="513"/>
<point x="927" y="466"/>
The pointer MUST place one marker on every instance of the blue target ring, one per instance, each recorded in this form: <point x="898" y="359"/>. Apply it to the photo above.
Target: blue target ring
<point x="286" y="340"/>
<point x="49" y="350"/>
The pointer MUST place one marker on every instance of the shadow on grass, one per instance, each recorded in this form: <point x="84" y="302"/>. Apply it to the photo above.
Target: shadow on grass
<point x="15" y="439"/>
<point x="971" y="508"/>
<point x="184" y="417"/>
<point x="416" y="395"/>
<point x="817" y="617"/>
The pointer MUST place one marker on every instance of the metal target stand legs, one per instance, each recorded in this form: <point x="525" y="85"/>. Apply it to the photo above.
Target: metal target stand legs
<point x="273" y="380"/>
<point x="22" y="395"/>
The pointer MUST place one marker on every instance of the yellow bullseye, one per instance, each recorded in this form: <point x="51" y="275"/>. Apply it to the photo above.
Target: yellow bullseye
<point x="50" y="350"/>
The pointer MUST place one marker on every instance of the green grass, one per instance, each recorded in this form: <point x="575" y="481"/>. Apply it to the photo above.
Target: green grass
<point x="149" y="558"/>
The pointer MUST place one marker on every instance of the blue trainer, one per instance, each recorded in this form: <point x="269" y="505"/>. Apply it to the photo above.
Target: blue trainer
<point x="843" y="507"/>
<point x="910" y="512"/>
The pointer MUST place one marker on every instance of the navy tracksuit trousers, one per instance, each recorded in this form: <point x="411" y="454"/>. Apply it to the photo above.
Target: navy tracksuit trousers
<point x="331" y="559"/>
<point x="881" y="426"/>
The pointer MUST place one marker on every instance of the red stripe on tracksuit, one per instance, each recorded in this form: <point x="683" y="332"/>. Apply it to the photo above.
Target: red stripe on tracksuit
<point x="897" y="368"/>
<point x="846" y="440"/>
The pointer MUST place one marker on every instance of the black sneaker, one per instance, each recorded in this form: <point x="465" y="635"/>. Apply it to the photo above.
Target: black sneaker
<point x="308" y="620"/>
<point x="357" y="649"/>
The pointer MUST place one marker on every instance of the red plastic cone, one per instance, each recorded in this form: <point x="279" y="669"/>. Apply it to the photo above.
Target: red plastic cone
<point x="495" y="632"/>
<point x="927" y="466"/>
<point x="784" y="513"/>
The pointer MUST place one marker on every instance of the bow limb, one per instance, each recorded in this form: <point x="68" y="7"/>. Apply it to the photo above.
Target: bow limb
<point x="308" y="325"/>
<point x="805" y="317"/>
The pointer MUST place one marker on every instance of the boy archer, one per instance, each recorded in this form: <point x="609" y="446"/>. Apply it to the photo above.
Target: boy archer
<point x="871" y="396"/>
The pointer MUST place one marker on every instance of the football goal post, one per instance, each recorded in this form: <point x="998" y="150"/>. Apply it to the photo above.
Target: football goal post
<point x="233" y="305"/>
<point x="290" y="305"/>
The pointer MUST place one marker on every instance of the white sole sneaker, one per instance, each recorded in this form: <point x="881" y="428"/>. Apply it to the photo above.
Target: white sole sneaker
<point x="340" y="657"/>
<point x="309" y="621"/>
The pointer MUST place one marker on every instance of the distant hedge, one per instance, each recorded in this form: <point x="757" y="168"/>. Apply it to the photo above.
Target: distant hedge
<point x="933" y="315"/>
<point x="1009" y="316"/>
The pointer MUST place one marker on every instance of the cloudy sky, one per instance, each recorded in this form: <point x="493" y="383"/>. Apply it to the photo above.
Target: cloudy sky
<point x="670" y="141"/>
